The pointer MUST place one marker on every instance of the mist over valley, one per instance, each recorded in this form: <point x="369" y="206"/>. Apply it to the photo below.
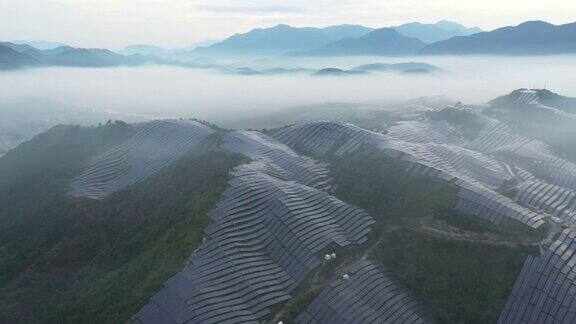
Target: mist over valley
<point x="276" y="165"/>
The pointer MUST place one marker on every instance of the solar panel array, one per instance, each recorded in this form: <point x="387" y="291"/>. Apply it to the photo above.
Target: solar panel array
<point x="523" y="174"/>
<point x="498" y="137"/>
<point x="555" y="200"/>
<point x="267" y="233"/>
<point x="156" y="145"/>
<point x="490" y="205"/>
<point x="258" y="146"/>
<point x="532" y="98"/>
<point x="545" y="290"/>
<point x="324" y="137"/>
<point x="370" y="295"/>
<point x="527" y="97"/>
<point x="476" y="174"/>
<point x="561" y="172"/>
<point x="425" y="131"/>
<point x="465" y="164"/>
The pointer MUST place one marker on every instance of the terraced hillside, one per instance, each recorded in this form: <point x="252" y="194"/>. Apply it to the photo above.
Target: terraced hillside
<point x="418" y="233"/>
<point x="248" y="267"/>
<point x="555" y="200"/>
<point x="476" y="175"/>
<point x="156" y="145"/>
<point x="545" y="291"/>
<point x="540" y="114"/>
<point x="499" y="173"/>
<point x="447" y="215"/>
<point x="367" y="294"/>
<point x="265" y="239"/>
<point x="84" y="260"/>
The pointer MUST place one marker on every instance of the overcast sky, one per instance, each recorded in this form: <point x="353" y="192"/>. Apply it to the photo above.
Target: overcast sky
<point x="180" y="23"/>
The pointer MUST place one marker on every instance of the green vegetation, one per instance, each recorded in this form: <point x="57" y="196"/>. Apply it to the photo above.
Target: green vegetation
<point x="466" y="122"/>
<point x="34" y="180"/>
<point x="382" y="186"/>
<point x="301" y="303"/>
<point x="67" y="260"/>
<point x="464" y="282"/>
<point x="313" y="285"/>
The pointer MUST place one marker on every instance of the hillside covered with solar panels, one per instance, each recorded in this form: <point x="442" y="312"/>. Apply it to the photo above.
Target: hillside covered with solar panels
<point x="434" y="211"/>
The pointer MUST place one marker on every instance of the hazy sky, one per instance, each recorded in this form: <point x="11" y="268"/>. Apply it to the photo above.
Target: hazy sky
<point x="179" y="23"/>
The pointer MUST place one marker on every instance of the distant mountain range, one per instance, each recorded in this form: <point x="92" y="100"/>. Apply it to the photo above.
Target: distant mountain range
<point x="442" y="38"/>
<point x="276" y="40"/>
<point x="384" y="41"/>
<point x="283" y="38"/>
<point x="279" y="40"/>
<point x="15" y="56"/>
<point x="430" y="33"/>
<point x="11" y="59"/>
<point x="146" y="50"/>
<point x="338" y="72"/>
<point x="152" y="50"/>
<point x="529" y="38"/>
<point x="41" y="45"/>
<point x="408" y="67"/>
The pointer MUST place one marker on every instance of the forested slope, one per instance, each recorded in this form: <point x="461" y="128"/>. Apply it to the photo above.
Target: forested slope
<point x="74" y="260"/>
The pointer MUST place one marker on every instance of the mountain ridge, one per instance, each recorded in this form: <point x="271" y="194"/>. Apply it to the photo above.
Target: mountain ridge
<point x="383" y="41"/>
<point x="11" y="59"/>
<point x="15" y="56"/>
<point x="430" y="33"/>
<point x="529" y="38"/>
<point x="263" y="40"/>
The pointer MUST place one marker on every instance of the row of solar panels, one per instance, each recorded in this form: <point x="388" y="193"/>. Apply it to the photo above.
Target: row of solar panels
<point x="497" y="137"/>
<point x="561" y="172"/>
<point x="248" y="264"/>
<point x="324" y="137"/>
<point x="258" y="146"/>
<point x="267" y="234"/>
<point x="545" y="291"/>
<point x="155" y="145"/>
<point x="368" y="294"/>
<point x="555" y="200"/>
<point x="492" y="206"/>
<point x="472" y="172"/>
<point x="527" y="97"/>
<point x="426" y="131"/>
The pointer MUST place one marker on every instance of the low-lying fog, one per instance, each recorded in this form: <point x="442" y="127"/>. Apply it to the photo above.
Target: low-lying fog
<point x="207" y="94"/>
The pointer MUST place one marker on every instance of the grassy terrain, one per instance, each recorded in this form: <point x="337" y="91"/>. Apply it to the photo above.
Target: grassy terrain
<point x="67" y="260"/>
